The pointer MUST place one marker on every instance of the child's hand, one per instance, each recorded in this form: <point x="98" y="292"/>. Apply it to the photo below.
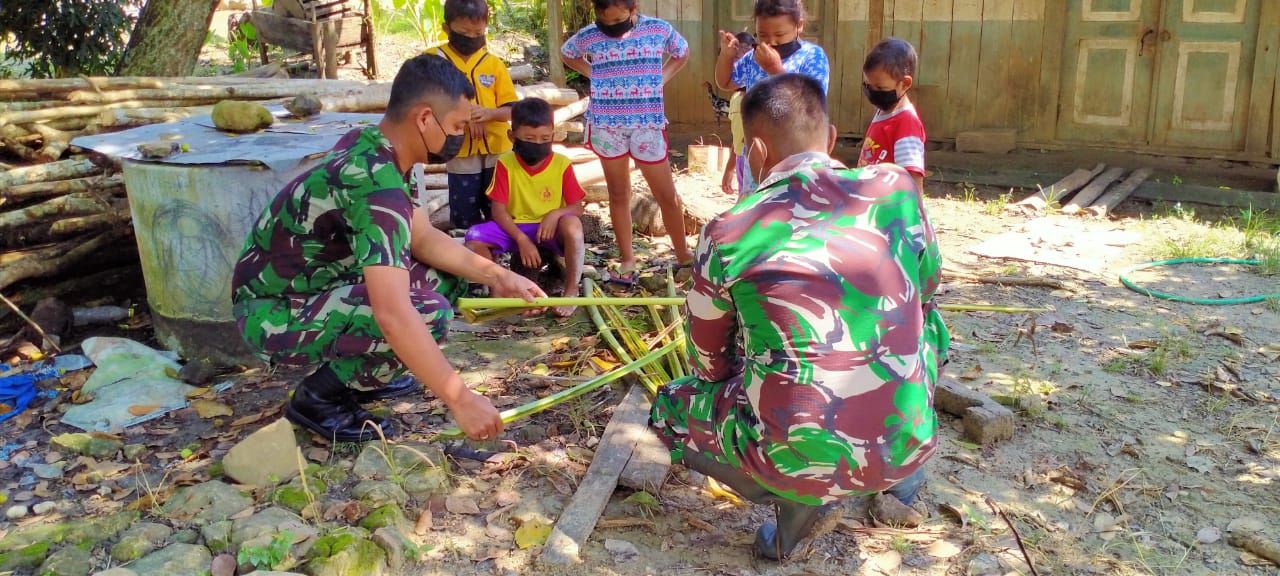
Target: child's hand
<point x="768" y="58"/>
<point x="726" y="185"/>
<point x="481" y="114"/>
<point x="728" y="43"/>
<point x="529" y="253"/>
<point x="547" y="228"/>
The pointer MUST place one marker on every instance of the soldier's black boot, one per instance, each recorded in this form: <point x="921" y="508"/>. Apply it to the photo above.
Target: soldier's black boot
<point x="402" y="386"/>
<point x="795" y="528"/>
<point x="322" y="403"/>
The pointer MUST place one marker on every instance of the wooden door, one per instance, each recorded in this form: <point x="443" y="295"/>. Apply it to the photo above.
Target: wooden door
<point x="1205" y="73"/>
<point x="1108" y="71"/>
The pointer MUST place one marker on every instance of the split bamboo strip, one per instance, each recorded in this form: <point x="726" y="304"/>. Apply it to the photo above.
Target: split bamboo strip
<point x="489" y="304"/>
<point x="567" y="394"/>
<point x="674" y="311"/>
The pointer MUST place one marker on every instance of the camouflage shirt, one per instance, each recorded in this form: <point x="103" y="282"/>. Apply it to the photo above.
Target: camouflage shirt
<point x="350" y="212"/>
<point x="816" y="289"/>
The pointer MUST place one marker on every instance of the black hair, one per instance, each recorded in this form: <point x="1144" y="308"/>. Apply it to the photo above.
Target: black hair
<point x="746" y="38"/>
<point x="793" y="106"/>
<point x="531" y="112"/>
<point x="771" y="8"/>
<point x="893" y="55"/>
<point x="465" y="9"/>
<point x="427" y="77"/>
<point x="602" y="5"/>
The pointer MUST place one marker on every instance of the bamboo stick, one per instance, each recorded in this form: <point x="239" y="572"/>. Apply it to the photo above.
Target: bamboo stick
<point x="567" y="394"/>
<point x="515" y="303"/>
<point x="674" y="312"/>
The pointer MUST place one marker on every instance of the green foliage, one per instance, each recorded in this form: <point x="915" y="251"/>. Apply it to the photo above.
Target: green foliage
<point x="425" y="16"/>
<point x="67" y="37"/>
<point x="242" y="46"/>
<point x="270" y="556"/>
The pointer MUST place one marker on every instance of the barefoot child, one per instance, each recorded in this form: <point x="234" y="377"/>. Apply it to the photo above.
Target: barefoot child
<point x="734" y="168"/>
<point x="896" y="134"/>
<point x="537" y="200"/>
<point x="813" y="340"/>
<point x="466" y="22"/>
<point x="629" y="58"/>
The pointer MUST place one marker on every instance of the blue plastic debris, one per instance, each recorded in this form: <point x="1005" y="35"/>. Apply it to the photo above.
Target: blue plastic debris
<point x="18" y="390"/>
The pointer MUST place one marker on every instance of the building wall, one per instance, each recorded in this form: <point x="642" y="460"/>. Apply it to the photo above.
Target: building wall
<point x="1015" y="64"/>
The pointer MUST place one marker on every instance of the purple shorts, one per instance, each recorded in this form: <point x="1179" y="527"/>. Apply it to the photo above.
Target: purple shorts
<point x="492" y="234"/>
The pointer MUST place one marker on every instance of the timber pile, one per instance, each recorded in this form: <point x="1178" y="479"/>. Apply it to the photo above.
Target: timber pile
<point x="1097" y="191"/>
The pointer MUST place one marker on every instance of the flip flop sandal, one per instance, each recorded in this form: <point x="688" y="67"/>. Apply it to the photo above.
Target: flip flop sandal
<point x="628" y="279"/>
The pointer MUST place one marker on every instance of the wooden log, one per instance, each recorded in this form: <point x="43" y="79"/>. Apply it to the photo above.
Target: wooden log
<point x="629" y="422"/>
<point x="64" y="85"/>
<point x="90" y="110"/>
<point x="139" y="117"/>
<point x="522" y="72"/>
<point x="571" y="111"/>
<point x="1257" y="545"/>
<point x="69" y="205"/>
<point x="578" y="127"/>
<point x="1118" y="193"/>
<point x="96" y="283"/>
<point x="58" y="258"/>
<point x="553" y="95"/>
<point x="55" y="141"/>
<point x="61" y="170"/>
<point x="100" y="183"/>
<point x="15" y="132"/>
<point x="1058" y="191"/>
<point x="1006" y="280"/>
<point x="20" y="150"/>
<point x="1096" y="187"/>
<point x="372" y="99"/>
<point x="207" y="93"/>
<point x="90" y="223"/>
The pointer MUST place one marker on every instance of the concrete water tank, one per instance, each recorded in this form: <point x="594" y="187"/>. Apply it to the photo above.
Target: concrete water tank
<point x="193" y="210"/>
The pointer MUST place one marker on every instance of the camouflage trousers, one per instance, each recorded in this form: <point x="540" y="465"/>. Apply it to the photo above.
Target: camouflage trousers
<point x="337" y="327"/>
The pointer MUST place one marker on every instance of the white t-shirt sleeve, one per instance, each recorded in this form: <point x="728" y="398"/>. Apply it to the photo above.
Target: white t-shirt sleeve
<point x="908" y="152"/>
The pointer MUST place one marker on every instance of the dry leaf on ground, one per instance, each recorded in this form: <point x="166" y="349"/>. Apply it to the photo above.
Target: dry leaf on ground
<point x="210" y="409"/>
<point x="457" y="504"/>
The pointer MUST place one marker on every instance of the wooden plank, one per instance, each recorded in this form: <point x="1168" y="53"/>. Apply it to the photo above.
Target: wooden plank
<point x="555" y="39"/>
<point x="845" y="102"/>
<point x="1053" y="44"/>
<point x="1265" y="65"/>
<point x="1118" y="193"/>
<point x="995" y="84"/>
<point x="932" y="72"/>
<point x="1058" y="191"/>
<point x="1209" y="195"/>
<point x="907" y="19"/>
<point x="1024" y="62"/>
<point x="966" y="40"/>
<point x="1089" y="193"/>
<point x="630" y="420"/>
<point x="650" y="460"/>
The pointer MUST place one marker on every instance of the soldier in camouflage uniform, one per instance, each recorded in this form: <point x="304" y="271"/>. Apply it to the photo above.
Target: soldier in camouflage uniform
<point x="344" y="272"/>
<point x="813" y="341"/>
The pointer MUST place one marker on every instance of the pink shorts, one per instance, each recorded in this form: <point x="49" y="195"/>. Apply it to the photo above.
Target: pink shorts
<point x="645" y="145"/>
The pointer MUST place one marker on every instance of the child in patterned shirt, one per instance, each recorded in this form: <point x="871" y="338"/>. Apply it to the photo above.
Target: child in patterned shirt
<point x="629" y="58"/>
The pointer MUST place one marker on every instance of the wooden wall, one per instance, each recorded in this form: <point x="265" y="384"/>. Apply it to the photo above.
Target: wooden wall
<point x="983" y="64"/>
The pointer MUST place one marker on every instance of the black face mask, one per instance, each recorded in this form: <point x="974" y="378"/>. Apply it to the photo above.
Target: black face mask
<point x="615" y="30"/>
<point x="465" y="45"/>
<point x="786" y="50"/>
<point x="452" y="144"/>
<point x="531" y="153"/>
<point x="885" y="100"/>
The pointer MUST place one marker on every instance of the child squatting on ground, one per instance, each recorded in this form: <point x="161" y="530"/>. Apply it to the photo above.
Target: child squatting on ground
<point x="778" y="50"/>
<point x="629" y="58"/>
<point x="814" y="343"/>
<point x="466" y="22"/>
<point x="537" y="201"/>
<point x="896" y="134"/>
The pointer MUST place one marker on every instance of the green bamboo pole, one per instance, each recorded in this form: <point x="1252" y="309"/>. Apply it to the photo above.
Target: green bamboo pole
<point x="674" y="311"/>
<point x="487" y="304"/>
<point x="567" y="394"/>
<point x="607" y="333"/>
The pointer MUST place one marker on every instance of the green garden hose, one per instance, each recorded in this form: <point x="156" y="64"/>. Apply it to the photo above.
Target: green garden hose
<point x="1124" y="278"/>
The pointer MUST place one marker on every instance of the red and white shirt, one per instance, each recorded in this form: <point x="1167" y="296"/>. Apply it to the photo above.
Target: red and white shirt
<point x="895" y="138"/>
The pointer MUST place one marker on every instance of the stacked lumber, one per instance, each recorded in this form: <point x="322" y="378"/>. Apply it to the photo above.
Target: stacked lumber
<point x="1095" y="191"/>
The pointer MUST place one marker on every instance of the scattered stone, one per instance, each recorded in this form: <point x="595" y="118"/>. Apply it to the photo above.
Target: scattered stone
<point x="984" y="419"/>
<point x="422" y="484"/>
<point x="273" y="573"/>
<point x="43" y="508"/>
<point x="69" y="561"/>
<point x="304" y="105"/>
<point x="25" y="558"/>
<point x="234" y="116"/>
<point x="397" y="546"/>
<point x="375" y="493"/>
<point x="656" y="283"/>
<point x="133" y="451"/>
<point x="407" y="458"/>
<point x="589" y="271"/>
<point x="198" y="372"/>
<point x="217" y="535"/>
<point x="87" y="445"/>
<point x="176" y="560"/>
<point x="212" y="501"/>
<point x="261" y="528"/>
<point x="48" y="471"/>
<point x="296" y="497"/>
<point x="530" y="434"/>
<point x="159" y="149"/>
<point x="346" y="552"/>
<point x="24" y="496"/>
<point x="224" y="565"/>
<point x="140" y="540"/>
<point x="80" y="532"/>
<point x="621" y="550"/>
<point x="266" y="458"/>
<point x="389" y="515"/>
<point x="984" y="564"/>
<point x="186" y="536"/>
<point x="116" y="572"/>
<point x="16" y="512"/>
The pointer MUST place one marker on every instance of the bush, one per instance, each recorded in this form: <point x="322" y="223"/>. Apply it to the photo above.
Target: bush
<point x="67" y="37"/>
